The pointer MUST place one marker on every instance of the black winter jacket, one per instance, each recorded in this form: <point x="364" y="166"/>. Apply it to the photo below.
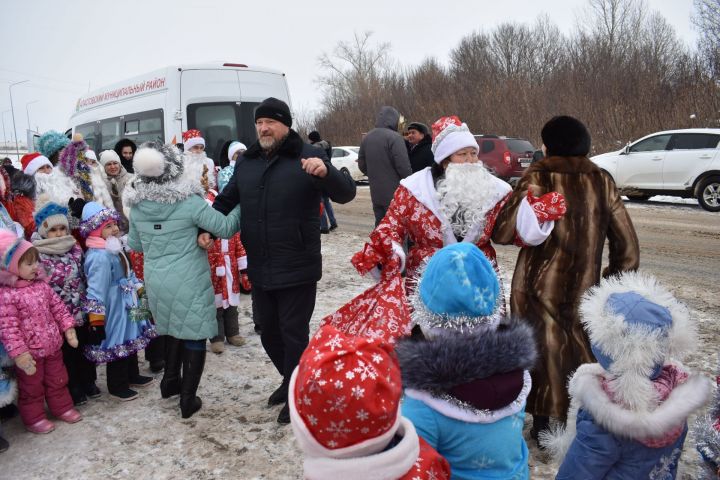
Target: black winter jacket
<point x="280" y="211"/>
<point x="421" y="155"/>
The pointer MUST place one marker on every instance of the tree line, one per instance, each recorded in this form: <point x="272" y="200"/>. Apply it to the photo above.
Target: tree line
<point x="623" y="72"/>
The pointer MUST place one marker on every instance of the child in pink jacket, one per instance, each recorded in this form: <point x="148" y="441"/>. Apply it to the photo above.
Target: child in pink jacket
<point x="32" y="317"/>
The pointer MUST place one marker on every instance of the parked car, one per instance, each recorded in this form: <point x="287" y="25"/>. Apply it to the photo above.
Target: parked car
<point x="683" y="163"/>
<point x="505" y="157"/>
<point x="345" y="159"/>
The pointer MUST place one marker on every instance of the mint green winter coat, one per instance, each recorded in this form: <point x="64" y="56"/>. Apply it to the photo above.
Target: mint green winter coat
<point x="177" y="273"/>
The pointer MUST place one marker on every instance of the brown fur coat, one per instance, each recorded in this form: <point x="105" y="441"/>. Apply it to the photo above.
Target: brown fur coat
<point x="550" y="278"/>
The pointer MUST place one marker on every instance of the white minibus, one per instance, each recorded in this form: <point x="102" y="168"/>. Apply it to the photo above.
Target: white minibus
<point x="216" y="98"/>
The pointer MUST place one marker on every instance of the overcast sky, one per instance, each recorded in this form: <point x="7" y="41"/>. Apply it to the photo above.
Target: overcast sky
<point x="64" y="47"/>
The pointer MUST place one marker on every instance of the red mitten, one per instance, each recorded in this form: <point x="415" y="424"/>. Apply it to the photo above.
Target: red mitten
<point x="550" y="206"/>
<point x="245" y="285"/>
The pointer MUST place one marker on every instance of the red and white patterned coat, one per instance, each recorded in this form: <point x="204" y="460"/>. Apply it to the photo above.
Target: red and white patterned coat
<point x="227" y="258"/>
<point x="410" y="215"/>
<point x="32" y="319"/>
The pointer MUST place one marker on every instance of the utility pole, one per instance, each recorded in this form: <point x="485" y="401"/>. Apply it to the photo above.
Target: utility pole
<point x="12" y="111"/>
<point x="27" y="112"/>
<point x="4" y="136"/>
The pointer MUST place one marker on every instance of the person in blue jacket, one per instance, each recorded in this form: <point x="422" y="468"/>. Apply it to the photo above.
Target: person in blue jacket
<point x="628" y="412"/>
<point x="465" y="370"/>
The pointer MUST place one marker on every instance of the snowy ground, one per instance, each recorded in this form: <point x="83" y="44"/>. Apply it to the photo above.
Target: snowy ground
<point x="235" y="434"/>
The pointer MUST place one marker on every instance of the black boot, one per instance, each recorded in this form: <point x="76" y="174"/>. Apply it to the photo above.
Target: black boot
<point x="280" y="395"/>
<point x="170" y="383"/>
<point x="193" y="365"/>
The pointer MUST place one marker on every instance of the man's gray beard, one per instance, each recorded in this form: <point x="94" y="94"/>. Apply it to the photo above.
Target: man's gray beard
<point x="466" y="194"/>
<point x="269" y="144"/>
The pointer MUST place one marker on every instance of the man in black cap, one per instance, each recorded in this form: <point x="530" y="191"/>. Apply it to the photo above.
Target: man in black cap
<point x="420" y="154"/>
<point x="278" y="182"/>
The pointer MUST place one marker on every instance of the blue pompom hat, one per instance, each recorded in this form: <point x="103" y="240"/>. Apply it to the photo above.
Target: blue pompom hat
<point x="93" y="216"/>
<point x="52" y="142"/>
<point x="458" y="290"/>
<point x="49" y="216"/>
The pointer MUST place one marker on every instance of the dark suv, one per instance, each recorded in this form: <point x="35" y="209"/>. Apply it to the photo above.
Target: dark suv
<point x="505" y="157"/>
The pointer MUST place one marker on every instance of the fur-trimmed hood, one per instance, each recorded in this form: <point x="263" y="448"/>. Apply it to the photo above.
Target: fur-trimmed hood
<point x="587" y="393"/>
<point x="179" y="180"/>
<point x="291" y="147"/>
<point x="454" y="359"/>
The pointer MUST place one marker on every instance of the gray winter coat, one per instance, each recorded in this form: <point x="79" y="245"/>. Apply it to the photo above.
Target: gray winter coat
<point x="384" y="158"/>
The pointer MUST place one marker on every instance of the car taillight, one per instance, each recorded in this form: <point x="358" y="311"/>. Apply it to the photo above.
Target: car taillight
<point x="507" y="158"/>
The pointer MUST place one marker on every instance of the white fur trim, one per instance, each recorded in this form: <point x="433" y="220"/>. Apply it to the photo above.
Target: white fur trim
<point x="474" y="416"/>
<point x="191" y="142"/>
<point x="220" y="271"/>
<point x="635" y="349"/>
<point x="35" y="164"/>
<point x="242" y="263"/>
<point x="398" y="250"/>
<point x="149" y="162"/>
<point x="388" y="465"/>
<point x="586" y="392"/>
<point x="453" y="142"/>
<point x="101" y="194"/>
<point x="529" y="229"/>
<point x="313" y="448"/>
<point x="234" y="148"/>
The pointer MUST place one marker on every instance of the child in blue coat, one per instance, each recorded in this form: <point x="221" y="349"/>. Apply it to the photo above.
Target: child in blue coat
<point x="465" y="371"/>
<point x="628" y="412"/>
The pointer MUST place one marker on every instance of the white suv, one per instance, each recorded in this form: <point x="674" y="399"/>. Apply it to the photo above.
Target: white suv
<point x="683" y="163"/>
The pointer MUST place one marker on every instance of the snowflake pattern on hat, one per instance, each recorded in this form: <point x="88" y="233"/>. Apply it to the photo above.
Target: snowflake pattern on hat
<point x="192" y="133"/>
<point x="347" y="388"/>
<point x="442" y="123"/>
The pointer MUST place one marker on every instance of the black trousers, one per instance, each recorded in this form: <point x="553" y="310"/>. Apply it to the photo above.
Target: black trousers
<point x="121" y="372"/>
<point x="379" y="211"/>
<point x="155" y="351"/>
<point x="81" y="371"/>
<point x="284" y="316"/>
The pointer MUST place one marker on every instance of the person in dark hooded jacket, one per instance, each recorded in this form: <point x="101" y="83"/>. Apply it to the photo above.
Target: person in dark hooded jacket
<point x="384" y="159"/>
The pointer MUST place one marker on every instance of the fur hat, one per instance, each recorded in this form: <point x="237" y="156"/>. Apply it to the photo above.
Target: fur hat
<point x="234" y="148"/>
<point x="635" y="325"/>
<point x="107" y="156"/>
<point x="420" y="127"/>
<point x="51" y="142"/>
<point x="458" y="290"/>
<point x="449" y="136"/>
<point x="157" y="162"/>
<point x="276" y="109"/>
<point x="344" y="395"/>
<point x="90" y="154"/>
<point x="32" y="162"/>
<point x="192" y="138"/>
<point x="314" y="136"/>
<point x="95" y="216"/>
<point x="49" y="216"/>
<point x="565" y="136"/>
<point x="12" y="248"/>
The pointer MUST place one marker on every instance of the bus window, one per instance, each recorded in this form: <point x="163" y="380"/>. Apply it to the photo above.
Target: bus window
<point x="110" y="133"/>
<point x="88" y="133"/>
<point x="248" y="135"/>
<point x="145" y="126"/>
<point x="218" y="123"/>
<point x="132" y="127"/>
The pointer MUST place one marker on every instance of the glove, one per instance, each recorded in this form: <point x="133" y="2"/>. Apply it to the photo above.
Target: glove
<point x="26" y="363"/>
<point x="97" y="329"/>
<point x="548" y="207"/>
<point x="245" y="285"/>
<point x="71" y="337"/>
<point x="76" y="206"/>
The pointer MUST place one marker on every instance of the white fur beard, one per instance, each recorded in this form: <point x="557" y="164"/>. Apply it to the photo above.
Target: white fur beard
<point x="466" y="194"/>
<point x="54" y="187"/>
<point x="193" y="167"/>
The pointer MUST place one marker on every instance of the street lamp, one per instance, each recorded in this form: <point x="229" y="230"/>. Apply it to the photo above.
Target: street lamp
<point x="12" y="111"/>
<point x="27" y="112"/>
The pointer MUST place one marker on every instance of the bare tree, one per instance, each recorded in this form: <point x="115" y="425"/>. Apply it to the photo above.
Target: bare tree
<point x="707" y="21"/>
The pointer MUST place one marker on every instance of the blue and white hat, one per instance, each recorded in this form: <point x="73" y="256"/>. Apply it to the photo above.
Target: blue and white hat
<point x="635" y="326"/>
<point x="458" y="290"/>
<point x="49" y="216"/>
<point x="94" y="216"/>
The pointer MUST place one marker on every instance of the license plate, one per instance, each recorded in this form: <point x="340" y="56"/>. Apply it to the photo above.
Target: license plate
<point x="525" y="163"/>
